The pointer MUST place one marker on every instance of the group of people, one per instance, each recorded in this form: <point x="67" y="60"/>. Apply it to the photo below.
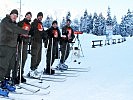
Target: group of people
<point x="14" y="39"/>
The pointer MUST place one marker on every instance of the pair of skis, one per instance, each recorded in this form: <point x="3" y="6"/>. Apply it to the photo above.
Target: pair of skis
<point x="61" y="75"/>
<point x="31" y="91"/>
<point x="76" y="69"/>
<point x="28" y="87"/>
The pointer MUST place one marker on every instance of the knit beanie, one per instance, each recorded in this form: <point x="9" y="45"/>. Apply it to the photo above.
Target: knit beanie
<point x="54" y="22"/>
<point x="14" y="11"/>
<point x="28" y="13"/>
<point x="40" y="14"/>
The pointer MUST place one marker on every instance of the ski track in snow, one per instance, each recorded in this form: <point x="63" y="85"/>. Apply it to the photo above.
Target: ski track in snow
<point x="110" y="75"/>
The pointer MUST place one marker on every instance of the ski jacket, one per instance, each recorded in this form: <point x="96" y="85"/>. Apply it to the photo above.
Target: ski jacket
<point x="69" y="33"/>
<point x="54" y="33"/>
<point x="9" y="32"/>
<point x="37" y="32"/>
<point x="24" y="24"/>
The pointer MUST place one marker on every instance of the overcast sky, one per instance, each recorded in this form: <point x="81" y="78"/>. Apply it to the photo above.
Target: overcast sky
<point x="59" y="8"/>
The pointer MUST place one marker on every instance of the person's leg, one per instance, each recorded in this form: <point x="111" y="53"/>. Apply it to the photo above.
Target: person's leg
<point x="67" y="51"/>
<point x="50" y="56"/>
<point x="24" y="56"/>
<point x="4" y="61"/>
<point x="33" y="56"/>
<point x="12" y="65"/>
<point x="39" y="54"/>
<point x="63" y="49"/>
<point x="7" y="63"/>
<point x="9" y="59"/>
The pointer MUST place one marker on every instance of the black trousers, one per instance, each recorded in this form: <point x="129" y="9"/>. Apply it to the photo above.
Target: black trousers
<point x="51" y="53"/>
<point x="36" y="51"/>
<point x="65" y="50"/>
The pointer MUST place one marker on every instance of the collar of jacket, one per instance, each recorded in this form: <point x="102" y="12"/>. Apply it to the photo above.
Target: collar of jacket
<point x="37" y="21"/>
<point x="26" y="21"/>
<point x="9" y="19"/>
<point x="54" y="28"/>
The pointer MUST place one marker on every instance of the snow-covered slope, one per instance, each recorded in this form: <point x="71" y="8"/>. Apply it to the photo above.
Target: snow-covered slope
<point x="110" y="75"/>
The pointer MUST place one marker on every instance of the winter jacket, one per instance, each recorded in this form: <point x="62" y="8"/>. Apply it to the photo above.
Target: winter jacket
<point x="9" y="32"/>
<point x="54" y="33"/>
<point x="24" y="24"/>
<point x="37" y="32"/>
<point x="68" y="31"/>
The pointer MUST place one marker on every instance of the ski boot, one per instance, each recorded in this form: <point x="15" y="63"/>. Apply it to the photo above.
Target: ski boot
<point x="34" y="74"/>
<point x="61" y="66"/>
<point x="4" y="92"/>
<point x="6" y="85"/>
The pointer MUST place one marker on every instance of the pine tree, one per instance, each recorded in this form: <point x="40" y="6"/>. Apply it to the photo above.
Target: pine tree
<point x="89" y="23"/>
<point x="95" y="25"/>
<point x="62" y="24"/>
<point x="68" y="16"/>
<point x="116" y="29"/>
<point x="109" y="25"/>
<point x="47" y="23"/>
<point x="123" y="28"/>
<point x="75" y="24"/>
<point x="101" y="27"/>
<point x="83" y="22"/>
<point x="126" y="26"/>
<point x="109" y="19"/>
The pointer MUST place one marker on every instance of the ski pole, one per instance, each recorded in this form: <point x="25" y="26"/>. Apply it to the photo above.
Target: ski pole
<point x="21" y="58"/>
<point x="58" y="52"/>
<point x="14" y="74"/>
<point x="51" y="55"/>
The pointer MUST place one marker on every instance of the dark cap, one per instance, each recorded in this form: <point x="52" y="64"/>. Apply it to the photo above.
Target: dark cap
<point x="40" y="14"/>
<point x="28" y="13"/>
<point x="14" y="11"/>
<point x="54" y="22"/>
<point x="68" y="20"/>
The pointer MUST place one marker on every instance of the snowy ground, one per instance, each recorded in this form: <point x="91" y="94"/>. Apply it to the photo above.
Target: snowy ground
<point x="110" y="76"/>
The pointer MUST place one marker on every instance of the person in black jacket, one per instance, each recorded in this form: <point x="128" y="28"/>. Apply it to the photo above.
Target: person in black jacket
<point x="52" y="46"/>
<point x="24" y="24"/>
<point x="67" y="37"/>
<point x="36" y="32"/>
<point x="8" y="40"/>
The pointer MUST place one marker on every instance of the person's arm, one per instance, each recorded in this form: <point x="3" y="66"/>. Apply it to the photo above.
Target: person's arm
<point x="14" y="28"/>
<point x="20" y="24"/>
<point x="59" y="34"/>
<point x="72" y="35"/>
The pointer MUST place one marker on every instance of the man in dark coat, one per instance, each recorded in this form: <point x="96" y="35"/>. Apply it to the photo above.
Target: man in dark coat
<point x="36" y="32"/>
<point x="8" y="40"/>
<point x="23" y="42"/>
<point x="54" y="36"/>
<point x="67" y="37"/>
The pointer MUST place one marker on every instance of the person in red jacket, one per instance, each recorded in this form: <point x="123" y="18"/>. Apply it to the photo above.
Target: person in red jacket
<point x="37" y="35"/>
<point x="54" y="36"/>
<point x="24" y="24"/>
<point x="67" y="37"/>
